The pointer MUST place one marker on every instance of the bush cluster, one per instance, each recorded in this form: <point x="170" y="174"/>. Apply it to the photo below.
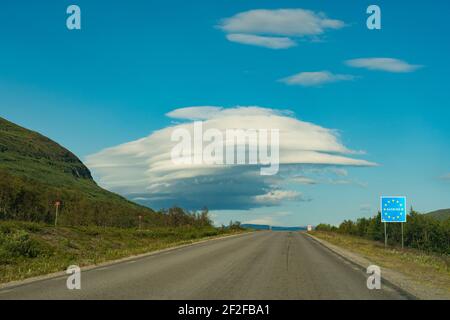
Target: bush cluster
<point x="420" y="231"/>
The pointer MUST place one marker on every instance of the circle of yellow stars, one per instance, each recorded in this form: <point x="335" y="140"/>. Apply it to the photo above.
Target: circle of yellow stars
<point x="393" y="201"/>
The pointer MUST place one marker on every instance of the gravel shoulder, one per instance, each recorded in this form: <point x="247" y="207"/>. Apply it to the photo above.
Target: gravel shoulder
<point x="416" y="274"/>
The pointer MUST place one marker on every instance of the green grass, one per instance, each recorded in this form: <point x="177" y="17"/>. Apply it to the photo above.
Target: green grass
<point x="32" y="155"/>
<point x="31" y="249"/>
<point x="428" y="269"/>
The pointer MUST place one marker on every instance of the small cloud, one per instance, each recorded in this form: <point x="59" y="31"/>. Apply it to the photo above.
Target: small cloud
<point x="276" y="196"/>
<point x="275" y="28"/>
<point x="446" y="177"/>
<point x="310" y="79"/>
<point x="348" y="182"/>
<point x="335" y="176"/>
<point x="273" y="219"/>
<point x="194" y="113"/>
<point x="282" y="214"/>
<point x="365" y="207"/>
<point x="339" y="172"/>
<point x="303" y="180"/>
<point x="383" y="64"/>
<point x="269" y="221"/>
<point x="261" y="41"/>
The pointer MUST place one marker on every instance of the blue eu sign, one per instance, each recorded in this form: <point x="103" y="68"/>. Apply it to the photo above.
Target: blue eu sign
<point x="393" y="209"/>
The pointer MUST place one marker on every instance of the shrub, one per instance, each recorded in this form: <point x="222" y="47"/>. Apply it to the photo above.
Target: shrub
<point x="420" y="231"/>
<point x="19" y="244"/>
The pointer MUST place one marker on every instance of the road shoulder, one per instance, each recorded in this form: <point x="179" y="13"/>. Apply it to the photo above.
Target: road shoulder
<point x="14" y="284"/>
<point x="393" y="278"/>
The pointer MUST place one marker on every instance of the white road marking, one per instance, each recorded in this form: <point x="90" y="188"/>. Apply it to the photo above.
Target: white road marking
<point x="101" y="269"/>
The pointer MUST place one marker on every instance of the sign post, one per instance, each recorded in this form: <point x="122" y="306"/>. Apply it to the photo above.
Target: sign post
<point x="403" y="242"/>
<point x="385" y="235"/>
<point x="393" y="210"/>
<point x="57" y="204"/>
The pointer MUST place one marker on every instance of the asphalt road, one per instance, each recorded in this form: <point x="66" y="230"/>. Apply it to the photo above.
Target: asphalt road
<point x="261" y="265"/>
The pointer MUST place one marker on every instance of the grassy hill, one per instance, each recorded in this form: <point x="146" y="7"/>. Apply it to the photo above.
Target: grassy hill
<point x="440" y="215"/>
<point x="94" y="225"/>
<point x="36" y="171"/>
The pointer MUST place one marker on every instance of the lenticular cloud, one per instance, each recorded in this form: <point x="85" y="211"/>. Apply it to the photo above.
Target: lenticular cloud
<point x="276" y="29"/>
<point x="143" y="170"/>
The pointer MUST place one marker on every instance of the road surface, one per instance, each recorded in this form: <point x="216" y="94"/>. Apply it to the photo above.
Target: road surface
<point x="260" y="265"/>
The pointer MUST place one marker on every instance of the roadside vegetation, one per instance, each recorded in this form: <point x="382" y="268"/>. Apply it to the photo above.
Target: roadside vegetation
<point x="421" y="232"/>
<point x="425" y="258"/>
<point x="30" y="249"/>
<point x="427" y="269"/>
<point x="36" y="172"/>
<point x="94" y="225"/>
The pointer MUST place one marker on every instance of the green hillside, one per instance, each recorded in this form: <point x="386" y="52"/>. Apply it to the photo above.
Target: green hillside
<point x="440" y="215"/>
<point x="35" y="172"/>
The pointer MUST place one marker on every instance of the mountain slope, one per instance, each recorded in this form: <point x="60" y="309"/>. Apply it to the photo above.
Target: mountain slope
<point x="440" y="215"/>
<point x="30" y="154"/>
<point x="36" y="171"/>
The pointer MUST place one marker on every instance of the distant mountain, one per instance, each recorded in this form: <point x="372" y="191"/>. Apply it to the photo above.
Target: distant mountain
<point x="441" y="215"/>
<point x="274" y="228"/>
<point x="256" y="226"/>
<point x="36" y="171"/>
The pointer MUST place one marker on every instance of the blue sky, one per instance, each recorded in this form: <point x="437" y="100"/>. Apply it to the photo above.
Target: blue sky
<point x="114" y="81"/>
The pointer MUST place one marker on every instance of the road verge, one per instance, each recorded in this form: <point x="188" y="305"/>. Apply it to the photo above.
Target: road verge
<point x="54" y="275"/>
<point x="401" y="282"/>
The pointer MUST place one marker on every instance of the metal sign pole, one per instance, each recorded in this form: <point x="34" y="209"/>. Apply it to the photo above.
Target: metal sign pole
<point x="385" y="236"/>
<point x="56" y="216"/>
<point x="403" y="242"/>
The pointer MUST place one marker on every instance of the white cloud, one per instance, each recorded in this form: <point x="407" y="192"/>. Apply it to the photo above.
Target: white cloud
<point x="262" y="41"/>
<point x="310" y="79"/>
<point x="446" y="177"/>
<point x="347" y="182"/>
<point x="194" y="113"/>
<point x="383" y="64"/>
<point x="339" y="172"/>
<point x="303" y="180"/>
<point x="329" y="175"/>
<point x="277" y="196"/>
<point x="143" y="169"/>
<point x="287" y="22"/>
<point x="276" y="28"/>
<point x="282" y="214"/>
<point x="276" y="218"/>
<point x="269" y="220"/>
